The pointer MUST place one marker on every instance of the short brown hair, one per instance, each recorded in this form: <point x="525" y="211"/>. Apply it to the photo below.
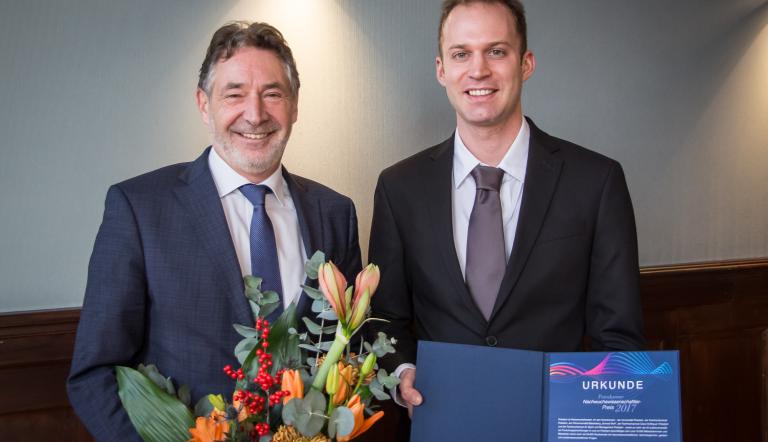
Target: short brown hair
<point x="514" y="6"/>
<point x="235" y="35"/>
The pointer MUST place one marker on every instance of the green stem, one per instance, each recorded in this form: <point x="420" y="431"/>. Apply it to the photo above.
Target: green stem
<point x="331" y="358"/>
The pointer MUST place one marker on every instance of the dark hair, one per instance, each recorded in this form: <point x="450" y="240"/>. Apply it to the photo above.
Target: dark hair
<point x="514" y="6"/>
<point x="235" y="35"/>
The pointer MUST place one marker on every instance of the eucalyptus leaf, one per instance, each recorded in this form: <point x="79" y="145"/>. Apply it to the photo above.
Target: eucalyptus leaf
<point x="387" y="381"/>
<point x="313" y="293"/>
<point x="252" y="283"/>
<point x="267" y="309"/>
<point x="169" y="388"/>
<point x="382" y="345"/>
<point x="328" y="315"/>
<point x="311" y="326"/>
<point x="291" y="410"/>
<point x="203" y="407"/>
<point x="246" y="332"/>
<point x="255" y="309"/>
<point x="311" y="267"/>
<point x="377" y="390"/>
<point x="319" y="305"/>
<point x="309" y="347"/>
<point x="246" y="349"/>
<point x="341" y="422"/>
<point x="266" y="438"/>
<point x="184" y="395"/>
<point x="270" y="297"/>
<point x="156" y="415"/>
<point x="309" y="416"/>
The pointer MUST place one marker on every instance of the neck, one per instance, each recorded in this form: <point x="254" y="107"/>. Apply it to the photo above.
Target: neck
<point x="490" y="144"/>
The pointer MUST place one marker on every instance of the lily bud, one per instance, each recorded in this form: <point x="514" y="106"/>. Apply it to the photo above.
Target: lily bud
<point x="293" y="384"/>
<point x="367" y="279"/>
<point x="332" y="382"/>
<point x="367" y="367"/>
<point x="345" y="384"/>
<point x="359" y="309"/>
<point x="333" y="284"/>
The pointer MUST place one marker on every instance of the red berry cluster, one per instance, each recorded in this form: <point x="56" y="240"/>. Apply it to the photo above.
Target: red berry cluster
<point x="277" y="396"/>
<point x="263" y="378"/>
<point x="261" y="429"/>
<point x="253" y="403"/>
<point x="234" y="374"/>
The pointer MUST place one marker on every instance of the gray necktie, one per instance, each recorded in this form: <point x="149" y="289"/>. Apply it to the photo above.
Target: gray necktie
<point x="486" y="256"/>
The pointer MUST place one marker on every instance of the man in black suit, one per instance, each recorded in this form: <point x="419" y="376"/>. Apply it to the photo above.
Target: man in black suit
<point x="502" y="235"/>
<point x="165" y="280"/>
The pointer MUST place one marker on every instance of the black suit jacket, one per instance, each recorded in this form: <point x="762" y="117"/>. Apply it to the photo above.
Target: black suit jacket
<point x="164" y="285"/>
<point x="573" y="268"/>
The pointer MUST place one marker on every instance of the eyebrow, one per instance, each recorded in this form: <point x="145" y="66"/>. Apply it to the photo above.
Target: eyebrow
<point x="489" y="45"/>
<point x="231" y="85"/>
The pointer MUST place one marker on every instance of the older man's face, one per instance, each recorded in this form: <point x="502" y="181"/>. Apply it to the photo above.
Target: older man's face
<point x="249" y="111"/>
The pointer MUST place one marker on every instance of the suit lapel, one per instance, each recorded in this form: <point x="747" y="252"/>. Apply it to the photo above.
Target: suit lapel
<point x="438" y="182"/>
<point x="541" y="176"/>
<point x="197" y="193"/>
<point x="310" y="225"/>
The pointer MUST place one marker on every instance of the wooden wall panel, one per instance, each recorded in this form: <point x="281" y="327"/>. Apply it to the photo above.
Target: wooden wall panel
<point x="715" y="314"/>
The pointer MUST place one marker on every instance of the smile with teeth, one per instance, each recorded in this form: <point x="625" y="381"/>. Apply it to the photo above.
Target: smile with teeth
<point x="480" y="92"/>
<point x="255" y="136"/>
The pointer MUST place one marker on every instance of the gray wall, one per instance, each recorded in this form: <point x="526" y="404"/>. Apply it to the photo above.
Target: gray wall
<point x="94" y="92"/>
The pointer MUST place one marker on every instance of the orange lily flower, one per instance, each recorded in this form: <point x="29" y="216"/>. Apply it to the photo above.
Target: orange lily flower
<point x="293" y="384"/>
<point x="361" y="424"/>
<point x="345" y="384"/>
<point x="210" y="429"/>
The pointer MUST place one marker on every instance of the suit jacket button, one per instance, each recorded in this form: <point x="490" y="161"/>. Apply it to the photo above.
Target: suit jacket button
<point x="491" y="341"/>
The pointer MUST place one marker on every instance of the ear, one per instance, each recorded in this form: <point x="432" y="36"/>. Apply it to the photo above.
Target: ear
<point x="440" y="70"/>
<point x="202" y="105"/>
<point x="528" y="65"/>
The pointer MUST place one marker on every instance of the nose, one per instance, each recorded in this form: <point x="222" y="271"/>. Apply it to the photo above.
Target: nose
<point x="479" y="68"/>
<point x="254" y="111"/>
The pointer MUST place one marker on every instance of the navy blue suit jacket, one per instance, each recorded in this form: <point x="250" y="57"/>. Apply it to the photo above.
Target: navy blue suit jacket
<point x="164" y="285"/>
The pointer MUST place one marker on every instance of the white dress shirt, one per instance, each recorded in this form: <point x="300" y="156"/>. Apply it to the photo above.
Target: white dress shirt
<point x="514" y="165"/>
<point x="463" y="191"/>
<point x="238" y="210"/>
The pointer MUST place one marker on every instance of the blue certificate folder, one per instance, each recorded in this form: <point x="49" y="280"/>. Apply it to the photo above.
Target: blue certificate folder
<point x="495" y="394"/>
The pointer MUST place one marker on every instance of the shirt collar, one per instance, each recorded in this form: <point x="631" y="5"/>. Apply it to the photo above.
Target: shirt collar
<point x="513" y="164"/>
<point x="227" y="180"/>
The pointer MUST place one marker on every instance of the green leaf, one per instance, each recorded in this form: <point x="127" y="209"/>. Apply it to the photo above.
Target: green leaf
<point x="311" y="266"/>
<point x="217" y="401"/>
<point x="377" y="390"/>
<point x="319" y="305"/>
<point x="309" y="416"/>
<point x="283" y="345"/>
<point x="387" y="381"/>
<point x="246" y="349"/>
<point x="267" y="309"/>
<point x="246" y="332"/>
<point x="382" y="345"/>
<point x="252" y="283"/>
<point x="341" y="422"/>
<point x="328" y="315"/>
<point x="184" y="395"/>
<point x="313" y="293"/>
<point x="156" y="415"/>
<point x="203" y="407"/>
<point x="270" y="297"/>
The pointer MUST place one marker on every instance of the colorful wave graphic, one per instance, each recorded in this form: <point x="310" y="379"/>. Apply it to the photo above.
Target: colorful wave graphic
<point x="623" y="363"/>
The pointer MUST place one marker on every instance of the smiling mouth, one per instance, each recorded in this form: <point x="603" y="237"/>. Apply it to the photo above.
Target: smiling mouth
<point x="479" y="92"/>
<point x="255" y="135"/>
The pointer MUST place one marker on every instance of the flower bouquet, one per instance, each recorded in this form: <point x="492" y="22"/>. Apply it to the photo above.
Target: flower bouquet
<point x="291" y="386"/>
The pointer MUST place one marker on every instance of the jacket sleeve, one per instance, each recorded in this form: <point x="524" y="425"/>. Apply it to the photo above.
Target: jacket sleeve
<point x="613" y="310"/>
<point x="111" y="328"/>
<point x="393" y="298"/>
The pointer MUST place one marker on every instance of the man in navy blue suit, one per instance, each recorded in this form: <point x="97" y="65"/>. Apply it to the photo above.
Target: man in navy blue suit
<point x="165" y="277"/>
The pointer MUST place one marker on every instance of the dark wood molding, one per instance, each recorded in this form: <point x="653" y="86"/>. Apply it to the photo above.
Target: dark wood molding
<point x="715" y="314"/>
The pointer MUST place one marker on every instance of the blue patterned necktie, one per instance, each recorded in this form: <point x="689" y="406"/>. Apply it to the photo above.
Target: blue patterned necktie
<point x="264" y="263"/>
